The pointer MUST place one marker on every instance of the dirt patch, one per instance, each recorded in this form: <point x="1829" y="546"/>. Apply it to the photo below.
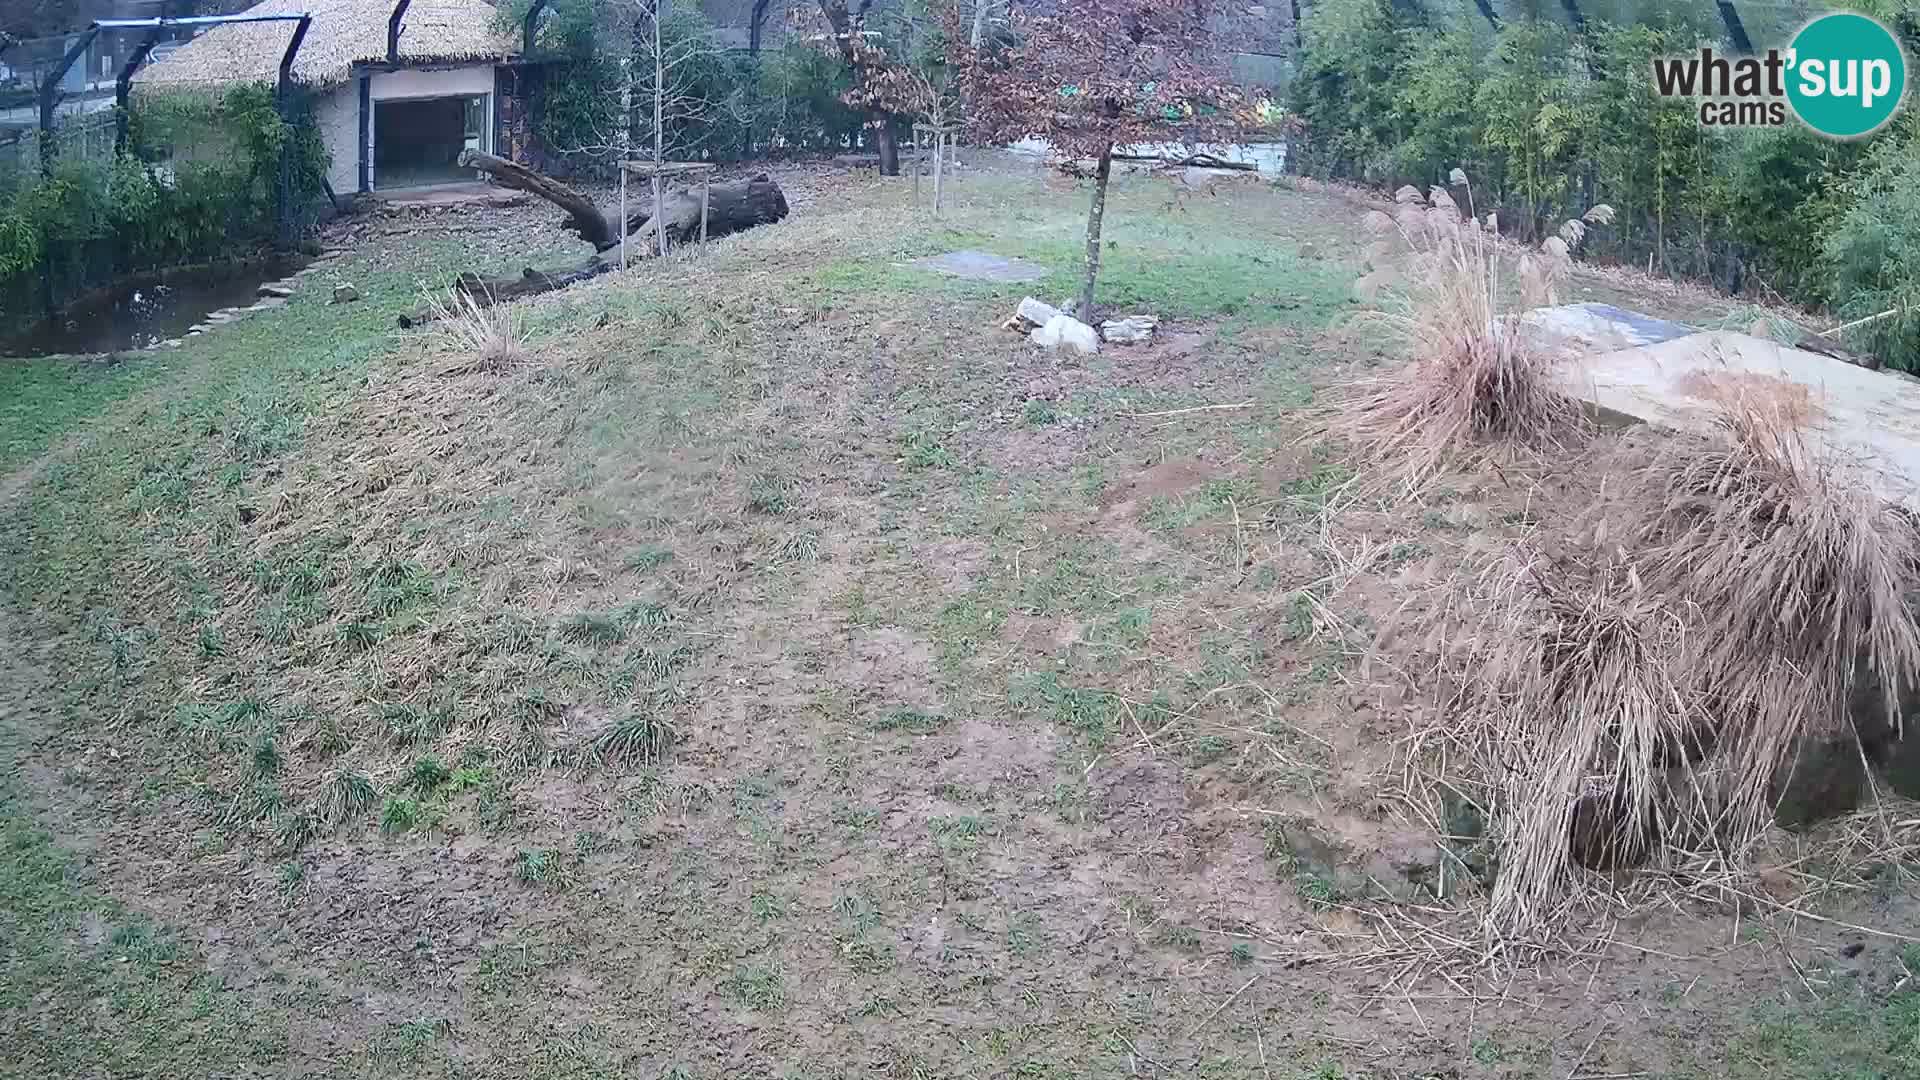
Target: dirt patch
<point x="1165" y="479"/>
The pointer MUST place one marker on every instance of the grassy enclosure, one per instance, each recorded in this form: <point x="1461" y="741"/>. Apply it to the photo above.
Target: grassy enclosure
<point x="758" y="663"/>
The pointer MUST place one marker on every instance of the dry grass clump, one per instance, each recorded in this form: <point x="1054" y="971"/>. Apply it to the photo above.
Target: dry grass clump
<point x="1642" y="697"/>
<point x="1798" y="579"/>
<point x="1476" y="378"/>
<point x="1589" y="709"/>
<point x="488" y="338"/>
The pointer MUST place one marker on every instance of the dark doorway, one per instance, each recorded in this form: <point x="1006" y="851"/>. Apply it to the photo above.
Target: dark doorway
<point x="418" y="141"/>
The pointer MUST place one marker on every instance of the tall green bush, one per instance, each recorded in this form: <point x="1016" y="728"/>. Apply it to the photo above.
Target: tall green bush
<point x="798" y="102"/>
<point x="1435" y="108"/>
<point x="201" y="176"/>
<point x="1872" y="251"/>
<point x="1549" y="120"/>
<point x="1350" y="79"/>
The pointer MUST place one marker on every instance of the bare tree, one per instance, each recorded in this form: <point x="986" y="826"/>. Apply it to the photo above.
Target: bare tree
<point x="982" y="15"/>
<point x="666" y="100"/>
<point x="1095" y="75"/>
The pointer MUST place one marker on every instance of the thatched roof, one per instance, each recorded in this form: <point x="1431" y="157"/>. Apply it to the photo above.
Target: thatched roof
<point x="344" y="33"/>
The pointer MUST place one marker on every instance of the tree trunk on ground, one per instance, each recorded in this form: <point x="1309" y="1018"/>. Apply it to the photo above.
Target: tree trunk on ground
<point x="529" y="282"/>
<point x="1101" y="175"/>
<point x="888" y="144"/>
<point x="584" y="218"/>
<point x="732" y="207"/>
<point x="736" y="205"/>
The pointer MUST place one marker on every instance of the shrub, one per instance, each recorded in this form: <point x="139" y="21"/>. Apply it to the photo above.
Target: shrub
<point x="798" y="102"/>
<point x="709" y="89"/>
<point x="1872" y="253"/>
<point x="1476" y="375"/>
<point x="1555" y="120"/>
<point x="200" y="177"/>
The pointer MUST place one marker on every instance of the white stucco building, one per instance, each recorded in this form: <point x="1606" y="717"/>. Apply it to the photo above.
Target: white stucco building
<point x="390" y="118"/>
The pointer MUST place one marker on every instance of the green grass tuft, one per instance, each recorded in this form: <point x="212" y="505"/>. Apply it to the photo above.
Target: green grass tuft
<point x="399" y="815"/>
<point x="769" y="494"/>
<point x="428" y="773"/>
<point x="909" y="719"/>
<point x="757" y="987"/>
<point x="346" y="796"/>
<point x="638" y="739"/>
<point x="547" y="868"/>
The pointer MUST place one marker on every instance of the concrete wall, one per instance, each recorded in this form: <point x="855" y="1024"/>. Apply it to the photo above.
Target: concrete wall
<point x="338" y="112"/>
<point x="338" y="116"/>
<point x="433" y="82"/>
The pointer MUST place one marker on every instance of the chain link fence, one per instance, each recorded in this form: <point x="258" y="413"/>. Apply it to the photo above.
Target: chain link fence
<point x="198" y="175"/>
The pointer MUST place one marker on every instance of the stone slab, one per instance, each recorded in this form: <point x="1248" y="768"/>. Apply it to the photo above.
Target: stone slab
<point x="981" y="266"/>
<point x="1605" y="326"/>
<point x="1868" y="419"/>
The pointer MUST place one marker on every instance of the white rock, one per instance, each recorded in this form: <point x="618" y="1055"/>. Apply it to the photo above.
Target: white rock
<point x="1036" y="312"/>
<point x="1065" y="330"/>
<point x="1129" y="331"/>
<point x="275" y="291"/>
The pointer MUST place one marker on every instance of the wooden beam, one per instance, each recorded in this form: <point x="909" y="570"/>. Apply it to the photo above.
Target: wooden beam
<point x="667" y="168"/>
<point x="393" y="30"/>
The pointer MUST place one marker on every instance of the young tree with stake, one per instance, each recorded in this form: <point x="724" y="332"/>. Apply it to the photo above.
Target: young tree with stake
<point x="664" y="59"/>
<point x="1098" y="75"/>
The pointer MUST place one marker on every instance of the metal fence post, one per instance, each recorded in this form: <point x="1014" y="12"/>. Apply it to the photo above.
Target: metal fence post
<point x="283" y="101"/>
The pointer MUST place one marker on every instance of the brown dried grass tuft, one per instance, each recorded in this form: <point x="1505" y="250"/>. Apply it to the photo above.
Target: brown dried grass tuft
<point x="1798" y="580"/>
<point x="1477" y="380"/>
<point x="1640" y="696"/>
<point x="489" y="338"/>
<point x="1589" y="707"/>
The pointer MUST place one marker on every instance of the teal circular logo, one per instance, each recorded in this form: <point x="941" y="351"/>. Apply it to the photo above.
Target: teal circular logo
<point x="1845" y="75"/>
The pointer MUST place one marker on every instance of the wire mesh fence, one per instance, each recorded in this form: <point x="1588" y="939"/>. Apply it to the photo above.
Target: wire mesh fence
<point x="187" y="176"/>
<point x="85" y="136"/>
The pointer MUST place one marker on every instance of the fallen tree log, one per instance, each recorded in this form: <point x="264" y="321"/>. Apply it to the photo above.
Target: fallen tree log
<point x="732" y="206"/>
<point x="529" y="282"/>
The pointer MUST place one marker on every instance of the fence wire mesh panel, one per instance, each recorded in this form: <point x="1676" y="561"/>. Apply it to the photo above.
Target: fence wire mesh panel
<point x="206" y="174"/>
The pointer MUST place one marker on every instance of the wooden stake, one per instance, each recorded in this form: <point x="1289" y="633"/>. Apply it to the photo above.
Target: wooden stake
<point x="706" y="189"/>
<point x="659" y="227"/>
<point x="939" y="160"/>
